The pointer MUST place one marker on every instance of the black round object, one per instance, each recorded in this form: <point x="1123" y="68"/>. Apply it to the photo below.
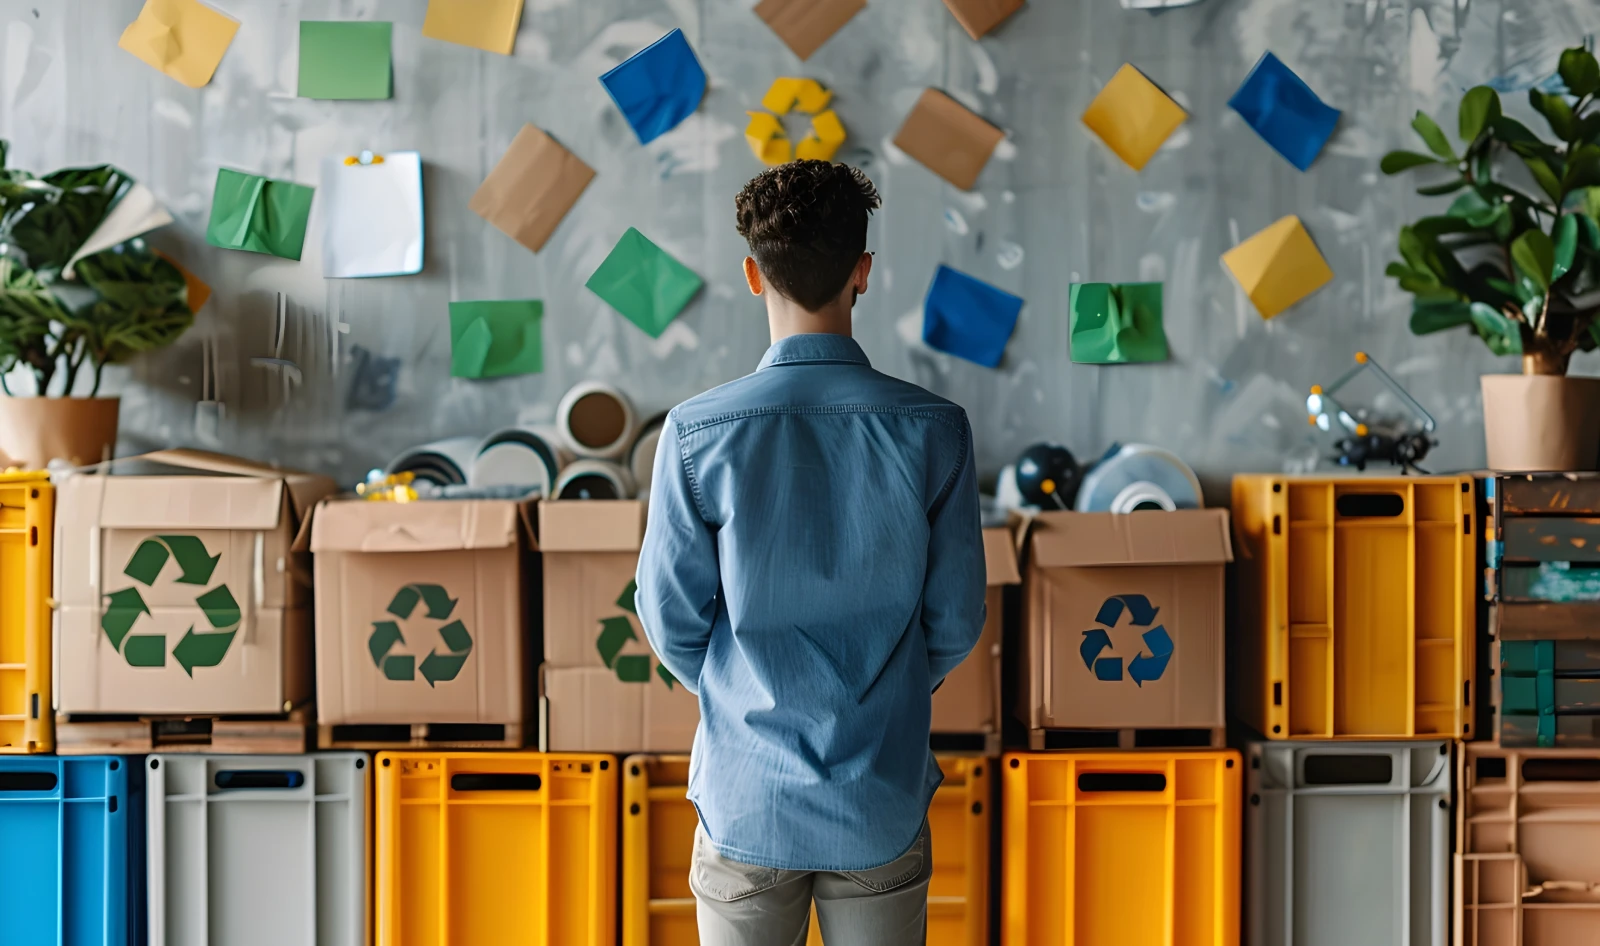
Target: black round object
<point x="1048" y="476"/>
<point x="589" y="486"/>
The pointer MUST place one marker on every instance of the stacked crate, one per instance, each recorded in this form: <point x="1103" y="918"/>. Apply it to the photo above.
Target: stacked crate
<point x="1122" y="826"/>
<point x="1356" y="646"/>
<point x="1526" y="849"/>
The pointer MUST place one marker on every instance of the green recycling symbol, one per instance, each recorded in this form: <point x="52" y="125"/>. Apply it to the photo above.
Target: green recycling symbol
<point x="615" y="633"/>
<point x="435" y="667"/>
<point x="126" y="606"/>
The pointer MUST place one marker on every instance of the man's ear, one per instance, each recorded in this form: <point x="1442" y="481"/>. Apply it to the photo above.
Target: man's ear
<point x="858" y="279"/>
<point x="752" y="275"/>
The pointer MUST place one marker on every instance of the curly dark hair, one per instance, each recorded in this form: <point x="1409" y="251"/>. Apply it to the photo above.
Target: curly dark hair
<point x="806" y="223"/>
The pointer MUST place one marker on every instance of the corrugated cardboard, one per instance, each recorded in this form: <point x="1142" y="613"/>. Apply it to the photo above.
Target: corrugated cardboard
<point x="969" y="700"/>
<point x="616" y="697"/>
<point x="374" y="564"/>
<point x="529" y="192"/>
<point x="246" y="516"/>
<point x="948" y="138"/>
<point x="978" y="17"/>
<point x="804" y="25"/>
<point x="1075" y="563"/>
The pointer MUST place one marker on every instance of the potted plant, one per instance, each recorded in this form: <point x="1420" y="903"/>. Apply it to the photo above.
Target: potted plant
<point x="1516" y="259"/>
<point x="63" y="320"/>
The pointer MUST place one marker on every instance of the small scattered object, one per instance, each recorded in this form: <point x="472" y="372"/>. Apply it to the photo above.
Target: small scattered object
<point x="642" y="455"/>
<point x="594" y="479"/>
<point x="658" y="87"/>
<point x="1116" y="323"/>
<point x="1136" y="477"/>
<point x="496" y="338"/>
<point x="258" y="214"/>
<point x="183" y="38"/>
<point x="1361" y="436"/>
<point x="948" y="138"/>
<point x="381" y="487"/>
<point x="644" y="283"/>
<point x="968" y="318"/>
<point x="1278" y="267"/>
<point x="528" y="193"/>
<point x="804" y="25"/>
<point x="1048" y="476"/>
<point x="596" y="420"/>
<point x="489" y="25"/>
<point x="1133" y="116"/>
<point x="978" y="17"/>
<point x="1284" y="111"/>
<point x="808" y="97"/>
<point x="372" y="216"/>
<point x="345" y="59"/>
<point x="519" y="456"/>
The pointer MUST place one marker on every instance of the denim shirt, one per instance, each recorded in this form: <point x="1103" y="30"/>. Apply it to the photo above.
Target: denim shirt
<point x="812" y="569"/>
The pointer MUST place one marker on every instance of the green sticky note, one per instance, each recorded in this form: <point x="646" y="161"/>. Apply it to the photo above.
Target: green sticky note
<point x="496" y="339"/>
<point x="345" y="60"/>
<point x="259" y="214"/>
<point x="1116" y="323"/>
<point x="644" y="283"/>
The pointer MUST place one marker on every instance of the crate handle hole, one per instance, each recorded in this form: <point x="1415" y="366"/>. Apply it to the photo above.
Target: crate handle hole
<point x="495" y="782"/>
<point x="27" y="781"/>
<point x="111" y="804"/>
<point x="1277" y="525"/>
<point x="1370" y="505"/>
<point x="233" y="779"/>
<point x="1277" y="693"/>
<point x="1491" y="767"/>
<point x="1122" y="782"/>
<point x="1561" y="770"/>
<point x="1349" y="769"/>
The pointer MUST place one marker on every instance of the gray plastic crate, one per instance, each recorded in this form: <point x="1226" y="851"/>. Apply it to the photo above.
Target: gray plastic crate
<point x="1347" y="843"/>
<point x="258" y="850"/>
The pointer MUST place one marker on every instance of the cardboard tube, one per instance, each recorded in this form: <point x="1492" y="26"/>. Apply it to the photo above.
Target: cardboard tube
<point x="642" y="455"/>
<point x="442" y="462"/>
<point x="594" y="479"/>
<point x="596" y="420"/>
<point x="519" y="456"/>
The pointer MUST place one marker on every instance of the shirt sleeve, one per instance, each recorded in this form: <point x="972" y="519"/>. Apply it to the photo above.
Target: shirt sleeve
<point x="953" y="592"/>
<point x="677" y="580"/>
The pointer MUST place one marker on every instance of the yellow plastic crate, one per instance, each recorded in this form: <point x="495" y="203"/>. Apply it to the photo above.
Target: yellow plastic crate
<point x="1130" y="848"/>
<point x="508" y="848"/>
<point x="658" y="825"/>
<point x="27" y="512"/>
<point x="1355" y="605"/>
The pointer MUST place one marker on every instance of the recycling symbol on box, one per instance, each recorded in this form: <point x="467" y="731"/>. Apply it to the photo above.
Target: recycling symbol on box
<point x="1144" y="667"/>
<point x="126" y="607"/>
<point x="615" y="633"/>
<point x="436" y="667"/>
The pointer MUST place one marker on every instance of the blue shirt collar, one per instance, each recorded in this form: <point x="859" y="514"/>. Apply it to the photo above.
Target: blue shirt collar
<point x="814" y="349"/>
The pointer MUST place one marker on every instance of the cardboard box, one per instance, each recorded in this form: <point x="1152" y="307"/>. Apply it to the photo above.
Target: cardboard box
<point x="178" y="589"/>
<point x="1123" y="620"/>
<point x="422" y="612"/>
<point x="601" y="687"/>
<point x="969" y="700"/>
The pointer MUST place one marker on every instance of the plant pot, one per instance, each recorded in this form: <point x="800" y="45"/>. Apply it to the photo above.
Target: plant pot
<point x="36" y="430"/>
<point x="1541" y="422"/>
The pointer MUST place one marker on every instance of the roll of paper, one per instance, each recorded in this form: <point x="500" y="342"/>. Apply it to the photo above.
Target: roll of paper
<point x="519" y="456"/>
<point x="1139" y="476"/>
<point x="642" y="455"/>
<point x="594" y="479"/>
<point x="443" y="462"/>
<point x="596" y="420"/>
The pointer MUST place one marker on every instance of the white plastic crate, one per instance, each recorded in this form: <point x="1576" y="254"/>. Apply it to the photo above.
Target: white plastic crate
<point x="1347" y="843"/>
<point x="261" y="850"/>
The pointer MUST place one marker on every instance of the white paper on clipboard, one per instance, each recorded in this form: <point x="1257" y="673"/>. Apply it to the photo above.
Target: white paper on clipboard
<point x="373" y="216"/>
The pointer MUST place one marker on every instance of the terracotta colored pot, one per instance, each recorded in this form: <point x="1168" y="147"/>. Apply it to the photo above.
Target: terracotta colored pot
<point x="36" y="430"/>
<point x="1541" y="422"/>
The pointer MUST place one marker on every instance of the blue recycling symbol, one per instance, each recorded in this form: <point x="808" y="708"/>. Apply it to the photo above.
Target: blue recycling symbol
<point x="1143" y="667"/>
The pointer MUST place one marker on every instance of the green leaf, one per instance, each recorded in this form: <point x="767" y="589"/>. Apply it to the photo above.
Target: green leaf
<point x="1579" y="71"/>
<point x="1501" y="286"/>
<point x="1502" y="334"/>
<point x="1430" y="317"/>
<point x="1478" y="106"/>
<point x="1566" y="244"/>
<point x="1429" y="228"/>
<point x="1557" y="112"/>
<point x="1398" y="270"/>
<point x="1396" y="161"/>
<point x="1412" y="250"/>
<point x="27" y="309"/>
<point x="1583" y="168"/>
<point x="1512" y="132"/>
<point x="50" y="217"/>
<point x="1433" y="137"/>
<point x="1588" y="229"/>
<point x="1449" y="187"/>
<point x="1472" y="208"/>
<point x="1548" y="181"/>
<point x="142" y="305"/>
<point x="1534" y="256"/>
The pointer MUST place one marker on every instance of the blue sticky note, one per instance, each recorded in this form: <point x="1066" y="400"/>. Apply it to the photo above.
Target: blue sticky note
<point x="658" y="87"/>
<point x="1284" y="111"/>
<point x="968" y="318"/>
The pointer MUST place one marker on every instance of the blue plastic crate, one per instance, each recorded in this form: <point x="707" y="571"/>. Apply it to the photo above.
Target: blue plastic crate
<point x="71" y="851"/>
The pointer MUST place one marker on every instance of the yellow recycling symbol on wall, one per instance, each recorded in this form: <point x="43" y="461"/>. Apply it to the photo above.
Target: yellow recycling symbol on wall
<point x="808" y="97"/>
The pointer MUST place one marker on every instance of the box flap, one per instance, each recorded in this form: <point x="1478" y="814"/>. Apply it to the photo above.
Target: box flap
<point x="1000" y="557"/>
<point x="189" y="502"/>
<point x="1154" y="537"/>
<point x="304" y="488"/>
<point x="591" y="525"/>
<point x="357" y="525"/>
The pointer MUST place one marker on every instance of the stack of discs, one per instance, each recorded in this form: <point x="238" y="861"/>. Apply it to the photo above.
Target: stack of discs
<point x="519" y="456"/>
<point x="443" y="463"/>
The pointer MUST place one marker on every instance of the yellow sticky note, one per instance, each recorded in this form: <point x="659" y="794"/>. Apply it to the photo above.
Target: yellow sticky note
<point x="484" y="24"/>
<point x="765" y="134"/>
<point x="183" y="38"/>
<point x="781" y="96"/>
<point x="1133" y="116"/>
<point x="1278" y="266"/>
